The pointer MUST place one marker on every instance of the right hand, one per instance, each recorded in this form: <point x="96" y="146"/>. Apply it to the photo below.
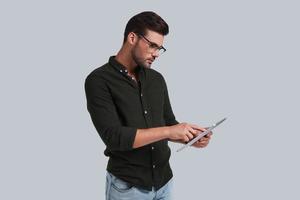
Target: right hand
<point x="184" y="132"/>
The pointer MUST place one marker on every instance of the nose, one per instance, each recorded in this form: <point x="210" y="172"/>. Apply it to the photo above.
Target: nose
<point x="155" y="53"/>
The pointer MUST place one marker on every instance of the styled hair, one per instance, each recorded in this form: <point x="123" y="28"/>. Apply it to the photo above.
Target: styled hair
<point x="144" y="21"/>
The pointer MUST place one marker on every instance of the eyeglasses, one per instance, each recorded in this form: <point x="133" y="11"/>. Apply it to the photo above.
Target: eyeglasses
<point x="153" y="46"/>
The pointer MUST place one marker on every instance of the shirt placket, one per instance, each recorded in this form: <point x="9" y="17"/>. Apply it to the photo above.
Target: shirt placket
<point x="147" y="117"/>
<point x="145" y="108"/>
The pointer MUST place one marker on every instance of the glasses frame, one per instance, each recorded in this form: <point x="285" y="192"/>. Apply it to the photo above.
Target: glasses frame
<point x="153" y="45"/>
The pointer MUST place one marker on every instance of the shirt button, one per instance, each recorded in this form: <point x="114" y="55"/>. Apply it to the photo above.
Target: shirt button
<point x="145" y="112"/>
<point x="153" y="166"/>
<point x="152" y="148"/>
<point x="141" y="94"/>
<point x="121" y="71"/>
<point x="125" y="70"/>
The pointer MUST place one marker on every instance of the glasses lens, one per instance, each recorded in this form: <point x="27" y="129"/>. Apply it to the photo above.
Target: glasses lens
<point x="154" y="46"/>
<point x="161" y="51"/>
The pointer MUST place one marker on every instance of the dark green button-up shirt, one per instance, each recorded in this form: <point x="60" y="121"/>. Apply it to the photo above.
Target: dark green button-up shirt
<point x="118" y="107"/>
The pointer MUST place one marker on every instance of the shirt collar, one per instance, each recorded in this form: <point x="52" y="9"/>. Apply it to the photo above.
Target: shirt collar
<point x="119" y="67"/>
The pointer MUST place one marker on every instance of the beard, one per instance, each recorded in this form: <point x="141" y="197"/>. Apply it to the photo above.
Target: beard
<point x="139" y="59"/>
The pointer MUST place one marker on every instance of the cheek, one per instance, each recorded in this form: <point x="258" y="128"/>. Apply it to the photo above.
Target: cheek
<point x="140" y="54"/>
<point x="142" y="50"/>
<point x="137" y="50"/>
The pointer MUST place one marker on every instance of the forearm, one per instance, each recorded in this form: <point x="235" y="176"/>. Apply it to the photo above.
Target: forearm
<point x="150" y="135"/>
<point x="177" y="141"/>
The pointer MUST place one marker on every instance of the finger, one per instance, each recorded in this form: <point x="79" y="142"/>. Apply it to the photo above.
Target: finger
<point x="199" y="129"/>
<point x="185" y="139"/>
<point x="192" y="131"/>
<point x="198" y="145"/>
<point x="204" y="143"/>
<point x="190" y="136"/>
<point x="194" y="126"/>
<point x="204" y="139"/>
<point x="201" y="144"/>
<point x="210" y="133"/>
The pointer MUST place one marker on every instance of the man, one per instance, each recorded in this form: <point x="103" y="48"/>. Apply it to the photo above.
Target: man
<point x="130" y="108"/>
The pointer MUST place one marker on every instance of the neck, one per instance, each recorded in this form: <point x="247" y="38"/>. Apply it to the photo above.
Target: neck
<point x="124" y="57"/>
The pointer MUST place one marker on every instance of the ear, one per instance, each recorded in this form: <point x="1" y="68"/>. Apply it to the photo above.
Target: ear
<point x="131" y="38"/>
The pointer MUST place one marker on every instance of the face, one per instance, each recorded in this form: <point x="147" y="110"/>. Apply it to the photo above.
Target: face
<point x="145" y="51"/>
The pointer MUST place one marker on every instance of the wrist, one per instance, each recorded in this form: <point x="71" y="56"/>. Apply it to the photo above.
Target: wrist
<point x="166" y="132"/>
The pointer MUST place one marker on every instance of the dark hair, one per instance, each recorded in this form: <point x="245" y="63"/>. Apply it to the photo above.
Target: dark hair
<point x="144" y="21"/>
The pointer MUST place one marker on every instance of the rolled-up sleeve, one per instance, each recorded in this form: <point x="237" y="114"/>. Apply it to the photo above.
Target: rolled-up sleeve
<point x="104" y="116"/>
<point x="168" y="112"/>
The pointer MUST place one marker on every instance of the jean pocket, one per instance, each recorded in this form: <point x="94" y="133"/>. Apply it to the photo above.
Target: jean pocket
<point x="121" y="186"/>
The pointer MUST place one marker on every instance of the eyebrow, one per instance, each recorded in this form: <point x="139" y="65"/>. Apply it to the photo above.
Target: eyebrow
<point x="153" y="43"/>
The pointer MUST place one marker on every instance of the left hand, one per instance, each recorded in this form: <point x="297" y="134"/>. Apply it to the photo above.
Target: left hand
<point x="203" y="142"/>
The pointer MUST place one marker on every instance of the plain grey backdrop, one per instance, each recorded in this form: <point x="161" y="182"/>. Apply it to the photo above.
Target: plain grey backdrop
<point x="235" y="59"/>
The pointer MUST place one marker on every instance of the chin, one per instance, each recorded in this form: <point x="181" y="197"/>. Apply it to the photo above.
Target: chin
<point x="146" y="65"/>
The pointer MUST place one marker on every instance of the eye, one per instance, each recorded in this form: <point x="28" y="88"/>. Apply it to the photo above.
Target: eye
<point x="153" y="46"/>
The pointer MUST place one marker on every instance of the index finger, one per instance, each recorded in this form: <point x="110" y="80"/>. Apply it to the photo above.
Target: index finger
<point x="194" y="126"/>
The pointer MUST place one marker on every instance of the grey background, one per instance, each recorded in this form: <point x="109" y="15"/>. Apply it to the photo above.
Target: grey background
<point x="238" y="59"/>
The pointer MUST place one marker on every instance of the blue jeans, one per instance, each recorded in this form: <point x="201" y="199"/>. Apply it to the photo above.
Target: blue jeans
<point x="117" y="189"/>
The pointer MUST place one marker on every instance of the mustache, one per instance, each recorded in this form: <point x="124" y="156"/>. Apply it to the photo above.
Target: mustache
<point x="152" y="59"/>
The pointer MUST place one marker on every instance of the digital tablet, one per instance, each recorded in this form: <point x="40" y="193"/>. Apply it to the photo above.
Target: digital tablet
<point x="209" y="129"/>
